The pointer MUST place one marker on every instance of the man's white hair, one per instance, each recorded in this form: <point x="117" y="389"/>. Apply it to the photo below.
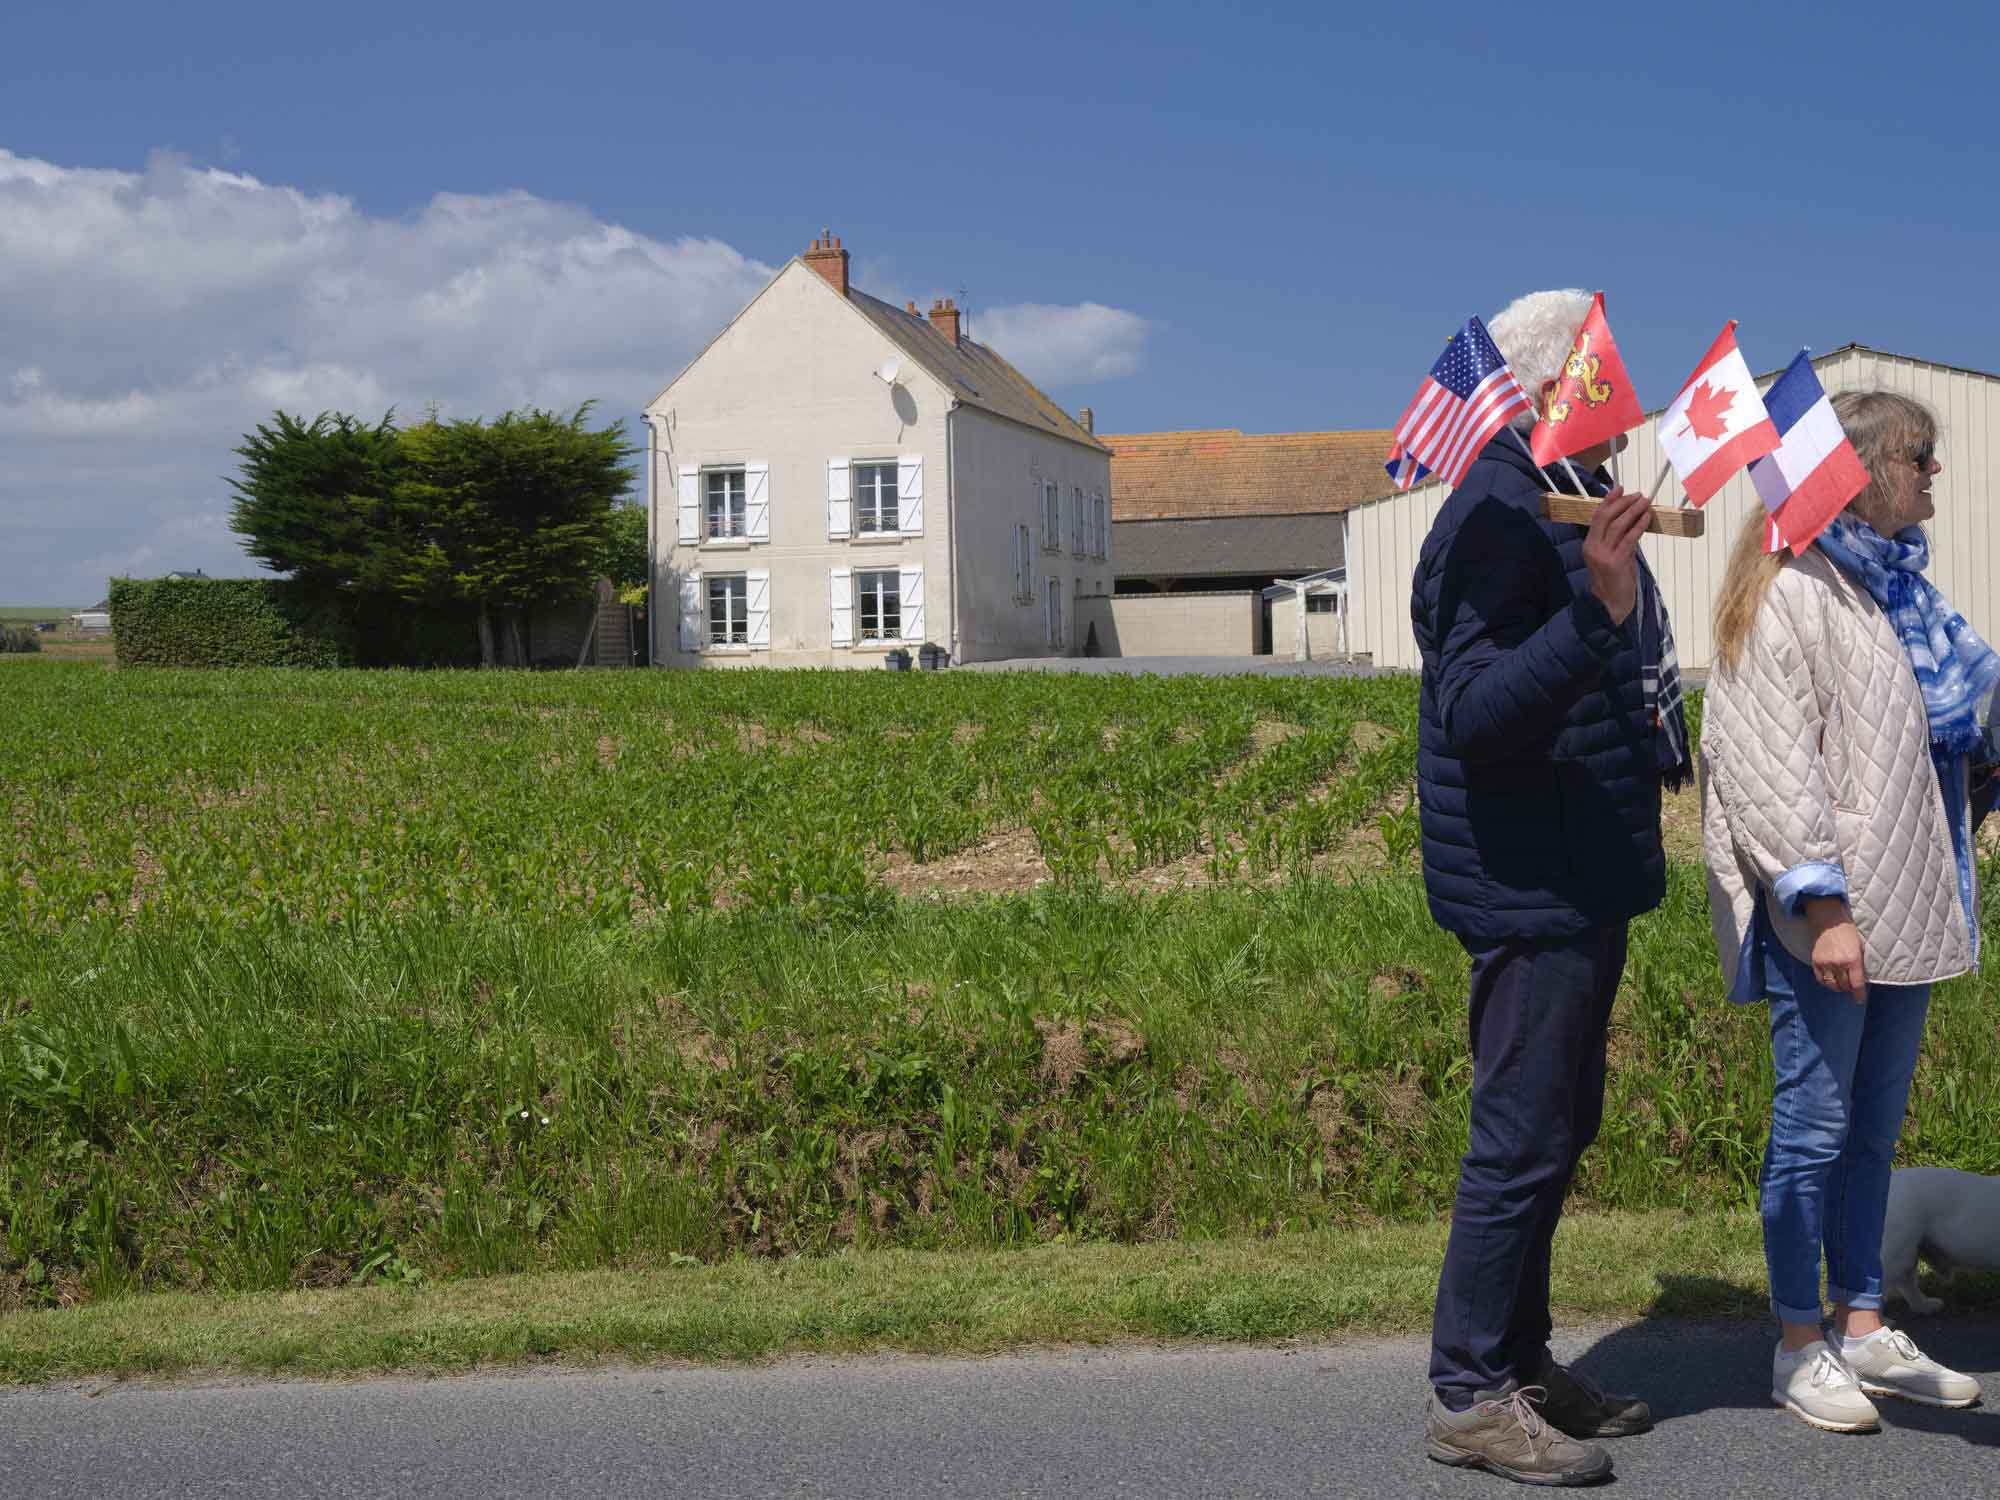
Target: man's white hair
<point x="1534" y="334"/>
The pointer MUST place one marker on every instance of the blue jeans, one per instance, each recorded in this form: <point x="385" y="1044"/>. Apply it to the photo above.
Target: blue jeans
<point x="1843" y="1082"/>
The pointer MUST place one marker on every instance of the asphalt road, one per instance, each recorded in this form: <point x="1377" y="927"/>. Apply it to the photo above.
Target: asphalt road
<point x="1330" y="1420"/>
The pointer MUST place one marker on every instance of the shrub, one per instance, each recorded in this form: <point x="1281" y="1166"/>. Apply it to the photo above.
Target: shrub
<point x="20" y="638"/>
<point x="224" y="622"/>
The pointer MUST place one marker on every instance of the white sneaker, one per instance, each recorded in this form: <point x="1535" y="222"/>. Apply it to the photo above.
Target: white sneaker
<point x="1814" y="1386"/>
<point x="1887" y="1362"/>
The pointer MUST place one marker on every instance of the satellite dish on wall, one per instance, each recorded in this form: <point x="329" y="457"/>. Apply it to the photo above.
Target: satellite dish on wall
<point x="888" y="371"/>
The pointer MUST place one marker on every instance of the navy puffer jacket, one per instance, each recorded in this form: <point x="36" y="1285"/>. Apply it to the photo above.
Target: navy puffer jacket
<point x="1537" y="761"/>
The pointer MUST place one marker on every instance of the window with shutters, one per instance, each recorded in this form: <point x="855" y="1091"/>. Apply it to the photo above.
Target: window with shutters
<point x="880" y="597"/>
<point x="725" y="504"/>
<point x="1051" y="516"/>
<point x="728" y="609"/>
<point x="875" y="498"/>
<point x="1055" y="611"/>
<point x="1078" y="505"/>
<point x="1024" y="566"/>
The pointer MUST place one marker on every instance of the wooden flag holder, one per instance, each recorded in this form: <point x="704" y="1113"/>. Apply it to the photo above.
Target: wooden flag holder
<point x="1667" y="520"/>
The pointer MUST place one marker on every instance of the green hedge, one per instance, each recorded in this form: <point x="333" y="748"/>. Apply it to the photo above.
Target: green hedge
<point x="224" y="622"/>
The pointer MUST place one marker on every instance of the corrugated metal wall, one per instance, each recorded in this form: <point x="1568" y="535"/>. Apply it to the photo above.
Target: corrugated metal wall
<point x="1383" y="538"/>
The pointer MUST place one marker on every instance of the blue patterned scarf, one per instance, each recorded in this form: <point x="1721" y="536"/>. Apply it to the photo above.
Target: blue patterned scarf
<point x="1954" y="667"/>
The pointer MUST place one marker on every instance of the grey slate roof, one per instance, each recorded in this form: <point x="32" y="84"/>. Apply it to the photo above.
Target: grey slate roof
<point x="1197" y="547"/>
<point x="971" y="371"/>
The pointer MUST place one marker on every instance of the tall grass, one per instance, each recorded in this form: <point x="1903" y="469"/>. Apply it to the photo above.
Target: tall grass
<point x="186" y="1106"/>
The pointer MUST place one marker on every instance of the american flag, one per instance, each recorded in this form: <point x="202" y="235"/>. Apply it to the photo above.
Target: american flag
<point x="1469" y="395"/>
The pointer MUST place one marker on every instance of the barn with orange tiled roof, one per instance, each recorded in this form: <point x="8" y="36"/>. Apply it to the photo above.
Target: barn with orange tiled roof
<point x="1220" y="509"/>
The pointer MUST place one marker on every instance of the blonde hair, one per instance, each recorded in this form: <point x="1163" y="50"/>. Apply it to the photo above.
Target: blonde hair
<point x="1887" y="429"/>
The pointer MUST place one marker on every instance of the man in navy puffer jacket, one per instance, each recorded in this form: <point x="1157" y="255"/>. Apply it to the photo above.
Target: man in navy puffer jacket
<point x="1540" y="762"/>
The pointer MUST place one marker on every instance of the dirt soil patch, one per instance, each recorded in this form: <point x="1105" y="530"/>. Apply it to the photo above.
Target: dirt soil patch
<point x="1009" y="860"/>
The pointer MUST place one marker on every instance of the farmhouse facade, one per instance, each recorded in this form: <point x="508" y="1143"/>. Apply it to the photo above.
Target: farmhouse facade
<point x="834" y="478"/>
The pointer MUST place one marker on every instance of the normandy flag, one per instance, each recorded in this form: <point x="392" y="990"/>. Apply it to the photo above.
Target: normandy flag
<point x="1717" y="424"/>
<point x="1593" y="400"/>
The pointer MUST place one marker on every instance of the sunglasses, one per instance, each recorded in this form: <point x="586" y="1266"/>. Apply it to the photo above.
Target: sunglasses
<point x="1922" y="457"/>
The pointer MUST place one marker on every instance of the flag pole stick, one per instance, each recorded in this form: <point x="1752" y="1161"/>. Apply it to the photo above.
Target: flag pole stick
<point x="1516" y="434"/>
<point x="1666" y="468"/>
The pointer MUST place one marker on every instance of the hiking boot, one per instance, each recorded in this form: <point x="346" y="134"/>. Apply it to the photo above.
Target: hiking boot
<point x="1580" y="1409"/>
<point x="1814" y="1386"/>
<point x="1887" y="1362"/>
<point x="1506" y="1436"/>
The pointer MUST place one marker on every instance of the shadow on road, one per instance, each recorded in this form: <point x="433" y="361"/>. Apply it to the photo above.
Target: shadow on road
<point x="1684" y="1367"/>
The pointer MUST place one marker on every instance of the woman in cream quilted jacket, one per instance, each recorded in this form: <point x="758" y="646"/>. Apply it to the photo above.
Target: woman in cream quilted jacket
<point x="1840" y="728"/>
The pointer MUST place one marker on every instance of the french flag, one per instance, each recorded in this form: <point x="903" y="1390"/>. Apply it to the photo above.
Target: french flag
<point x="1814" y="471"/>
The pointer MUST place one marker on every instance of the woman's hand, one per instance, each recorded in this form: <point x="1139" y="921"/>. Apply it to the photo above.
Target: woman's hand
<point x="1837" y="959"/>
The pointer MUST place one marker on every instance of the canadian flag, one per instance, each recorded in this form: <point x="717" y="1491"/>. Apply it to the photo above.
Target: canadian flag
<point x="1717" y="424"/>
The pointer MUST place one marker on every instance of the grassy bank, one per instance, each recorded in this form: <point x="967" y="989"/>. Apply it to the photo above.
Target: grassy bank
<point x="309" y="980"/>
<point x="1326" y="1284"/>
<point x="205" y="1110"/>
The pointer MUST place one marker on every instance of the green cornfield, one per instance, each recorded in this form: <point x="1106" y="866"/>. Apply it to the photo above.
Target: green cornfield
<point x="310" y="978"/>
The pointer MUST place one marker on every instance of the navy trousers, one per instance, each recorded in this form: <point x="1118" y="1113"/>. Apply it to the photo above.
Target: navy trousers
<point x="1539" y="1011"/>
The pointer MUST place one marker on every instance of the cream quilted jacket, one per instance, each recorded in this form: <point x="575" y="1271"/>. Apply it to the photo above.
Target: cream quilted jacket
<point x="1817" y="748"/>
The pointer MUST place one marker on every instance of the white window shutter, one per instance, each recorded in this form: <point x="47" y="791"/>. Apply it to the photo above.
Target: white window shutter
<point x="912" y="590"/>
<point x="1018" y="580"/>
<point x="757" y="605"/>
<point x="839" y="500"/>
<point x="1104" y="527"/>
<point x="690" y="498"/>
<point x="1055" y="514"/>
<point x="1049" y="609"/>
<point x="840" y="592"/>
<point x="757" y="501"/>
<point x="691" y="612"/>
<point x="910" y="493"/>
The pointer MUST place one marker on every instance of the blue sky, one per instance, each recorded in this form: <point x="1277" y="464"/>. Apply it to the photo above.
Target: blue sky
<point x="1277" y="212"/>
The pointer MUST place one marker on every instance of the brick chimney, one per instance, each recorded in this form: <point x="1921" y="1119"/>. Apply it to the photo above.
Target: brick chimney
<point x="827" y="258"/>
<point x="1087" y="420"/>
<point x="944" y="318"/>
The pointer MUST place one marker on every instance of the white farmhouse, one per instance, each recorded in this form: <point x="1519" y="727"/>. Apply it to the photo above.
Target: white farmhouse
<point x="833" y="478"/>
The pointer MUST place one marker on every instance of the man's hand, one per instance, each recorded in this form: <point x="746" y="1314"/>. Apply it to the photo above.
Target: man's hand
<point x="1610" y="546"/>
<point x="1837" y="959"/>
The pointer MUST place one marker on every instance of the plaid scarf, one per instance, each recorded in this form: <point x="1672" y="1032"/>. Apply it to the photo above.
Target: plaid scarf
<point x="1660" y="681"/>
<point x="1954" y="667"/>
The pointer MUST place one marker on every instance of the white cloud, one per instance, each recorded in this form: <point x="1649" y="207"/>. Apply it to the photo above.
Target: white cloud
<point x="152" y="317"/>
<point x="1057" y="345"/>
<point x="148" y="319"/>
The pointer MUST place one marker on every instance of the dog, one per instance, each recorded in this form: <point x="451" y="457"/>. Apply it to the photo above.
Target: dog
<point x="1948" y="1218"/>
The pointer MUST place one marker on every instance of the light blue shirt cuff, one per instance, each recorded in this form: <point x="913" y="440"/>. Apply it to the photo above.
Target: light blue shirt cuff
<point x="1803" y="883"/>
